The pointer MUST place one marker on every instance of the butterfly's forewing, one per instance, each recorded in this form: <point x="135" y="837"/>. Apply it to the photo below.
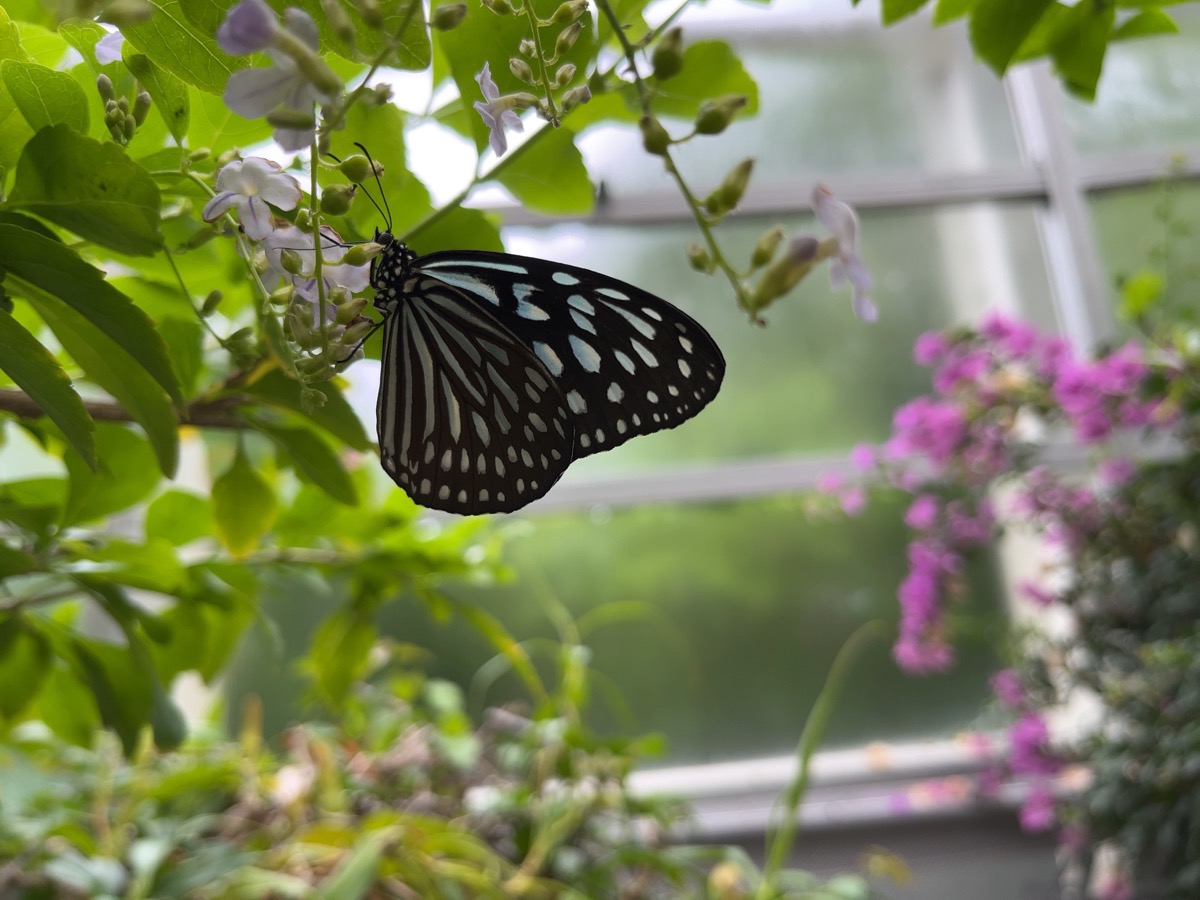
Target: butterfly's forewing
<point x="627" y="362"/>
<point x="470" y="421"/>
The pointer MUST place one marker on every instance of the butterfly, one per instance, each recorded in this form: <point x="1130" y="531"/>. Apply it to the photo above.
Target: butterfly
<point x="499" y="371"/>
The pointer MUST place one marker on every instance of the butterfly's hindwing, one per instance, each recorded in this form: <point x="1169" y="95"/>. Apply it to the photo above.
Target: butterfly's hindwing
<point x="628" y="362"/>
<point x="469" y="419"/>
<point x="499" y="370"/>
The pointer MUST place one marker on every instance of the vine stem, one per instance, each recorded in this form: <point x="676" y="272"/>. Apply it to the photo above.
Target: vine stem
<point x="551" y="111"/>
<point x="702" y="223"/>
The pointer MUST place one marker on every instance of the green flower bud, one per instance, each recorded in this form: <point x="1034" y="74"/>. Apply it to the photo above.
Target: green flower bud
<point x="567" y="38"/>
<point x="356" y="168"/>
<point x="527" y="47"/>
<point x="568" y="12"/>
<point x="198" y="155"/>
<point x="337" y="199"/>
<point x="299" y="324"/>
<point x="357" y="332"/>
<point x="290" y="261"/>
<point x="654" y="137"/>
<point x="242" y="346"/>
<point x="128" y="128"/>
<point x="211" y="302"/>
<point x="499" y="7"/>
<point x="520" y="70"/>
<point x="802" y="254"/>
<point x="339" y="21"/>
<point x="123" y="104"/>
<point x="668" y="55"/>
<point x="362" y="253"/>
<point x="764" y="250"/>
<point x="564" y="74"/>
<point x="730" y="192"/>
<point x="449" y="16"/>
<point x="715" y="115"/>
<point x="304" y="218"/>
<point x="350" y="310"/>
<point x="312" y="365"/>
<point x="698" y="257"/>
<point x="575" y="96"/>
<point x="141" y="107"/>
<point x="104" y="87"/>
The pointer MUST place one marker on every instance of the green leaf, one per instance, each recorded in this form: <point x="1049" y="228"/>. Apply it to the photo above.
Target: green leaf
<point x="1145" y="23"/>
<point x="1079" y="51"/>
<point x="25" y="663"/>
<point x="83" y="35"/>
<point x="339" y="654"/>
<point x="243" y="506"/>
<point x="152" y="566"/>
<point x="179" y="518"/>
<point x="35" y="371"/>
<point x="169" y="94"/>
<point x="90" y="188"/>
<point x="67" y="707"/>
<point x="710" y="69"/>
<point x="166" y="720"/>
<point x="55" y="269"/>
<point x="461" y="228"/>
<point x="336" y="415"/>
<point x="44" y="96"/>
<point x="173" y="42"/>
<point x="14" y="130"/>
<point x="184" y="340"/>
<point x="33" y="504"/>
<point x="15" y="562"/>
<point x="949" y="10"/>
<point x="354" y="875"/>
<point x="125" y="475"/>
<point x="109" y="364"/>
<point x="121" y="685"/>
<point x="413" y="50"/>
<point x="315" y="461"/>
<point x="549" y="176"/>
<point x="999" y="27"/>
<point x="895" y="10"/>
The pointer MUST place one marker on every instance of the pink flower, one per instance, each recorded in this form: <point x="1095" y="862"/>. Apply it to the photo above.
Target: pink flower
<point x="1037" y="812"/>
<point x="961" y="367"/>
<point x="1115" y="887"/>
<point x="923" y="513"/>
<point x="863" y="457"/>
<point x="1006" y="685"/>
<point x="1029" y="747"/>
<point x="853" y="500"/>
<point x="930" y="348"/>
<point x="921" y="657"/>
<point x="930" y="427"/>
<point x="1115" y="471"/>
<point x="1038" y="595"/>
<point x="1015" y="338"/>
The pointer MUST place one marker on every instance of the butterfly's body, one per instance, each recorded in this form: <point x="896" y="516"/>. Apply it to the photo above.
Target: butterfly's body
<point x="500" y="370"/>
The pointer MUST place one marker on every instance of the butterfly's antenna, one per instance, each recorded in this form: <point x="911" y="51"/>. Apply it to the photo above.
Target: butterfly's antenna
<point x="387" y="210"/>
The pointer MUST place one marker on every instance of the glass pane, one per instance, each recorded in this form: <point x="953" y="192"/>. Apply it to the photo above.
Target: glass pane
<point x="1131" y="233"/>
<point x="717" y="623"/>
<point x="1149" y="96"/>
<point x="815" y="380"/>
<point x="837" y="99"/>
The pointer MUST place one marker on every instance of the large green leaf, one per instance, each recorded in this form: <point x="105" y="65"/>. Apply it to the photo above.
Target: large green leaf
<point x="895" y="10"/>
<point x="1144" y="24"/>
<point x="999" y="27"/>
<point x="152" y="566"/>
<point x="1079" y="53"/>
<point x="314" y="460"/>
<point x="112" y="367"/>
<point x="83" y="35"/>
<point x="35" y="371"/>
<point x="179" y="517"/>
<point x="710" y="69"/>
<point x="338" y="658"/>
<point x="243" y="506"/>
<point x="460" y="228"/>
<point x="44" y="96"/>
<point x="169" y="94"/>
<point x="549" y="176"/>
<point x="949" y="10"/>
<point x="53" y="268"/>
<point x="127" y="473"/>
<point x="91" y="188"/>
<point x="121" y="684"/>
<point x="25" y="662"/>
<point x="172" y="41"/>
<point x="14" y="130"/>
<point x="335" y="415"/>
<point x="412" y="52"/>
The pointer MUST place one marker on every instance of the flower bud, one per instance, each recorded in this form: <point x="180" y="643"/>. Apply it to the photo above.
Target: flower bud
<point x="339" y="20"/>
<point x="764" y="250"/>
<point x="299" y="324"/>
<point x="527" y="47"/>
<point x="564" y="74"/>
<point x="802" y="254"/>
<point x="281" y="296"/>
<point x="241" y="345"/>
<point x="104" y="87"/>
<point x="575" y="96"/>
<point x="449" y="16"/>
<point x="357" y="332"/>
<point x="304" y="218"/>
<point x="698" y="257"/>
<point x="654" y="137"/>
<point x="141" y="107"/>
<point x="337" y="199"/>
<point x="282" y="117"/>
<point x="730" y="192"/>
<point x="350" y="310"/>
<point x="312" y="365"/>
<point x="290" y="261"/>
<point x="123" y="104"/>
<point x="356" y="168"/>
<point x="668" y="54"/>
<point x="520" y="69"/>
<point x="499" y="7"/>
<point x="128" y="128"/>
<point x="715" y="115"/>
<point x="567" y="38"/>
<point x="211" y="302"/>
<point x="568" y="12"/>
<point x="361" y="254"/>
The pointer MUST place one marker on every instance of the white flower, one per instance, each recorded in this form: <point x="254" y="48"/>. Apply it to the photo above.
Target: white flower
<point x="495" y="113"/>
<point x="248" y="186"/>
<point x="842" y="224"/>
<point x="253" y="93"/>
<point x="334" y="274"/>
<point x="249" y="26"/>
<point x="108" y="48"/>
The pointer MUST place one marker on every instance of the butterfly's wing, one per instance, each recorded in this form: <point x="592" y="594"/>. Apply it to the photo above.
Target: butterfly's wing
<point x="627" y="362"/>
<point x="469" y="419"/>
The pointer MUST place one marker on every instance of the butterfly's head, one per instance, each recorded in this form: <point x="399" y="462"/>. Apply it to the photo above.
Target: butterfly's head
<point x="392" y="269"/>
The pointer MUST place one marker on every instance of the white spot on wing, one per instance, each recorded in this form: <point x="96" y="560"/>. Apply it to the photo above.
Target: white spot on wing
<point x="585" y="353"/>
<point x="615" y="392"/>
<point x="576" y="402"/>
<point x="547" y="355"/>
<point x="564" y="278"/>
